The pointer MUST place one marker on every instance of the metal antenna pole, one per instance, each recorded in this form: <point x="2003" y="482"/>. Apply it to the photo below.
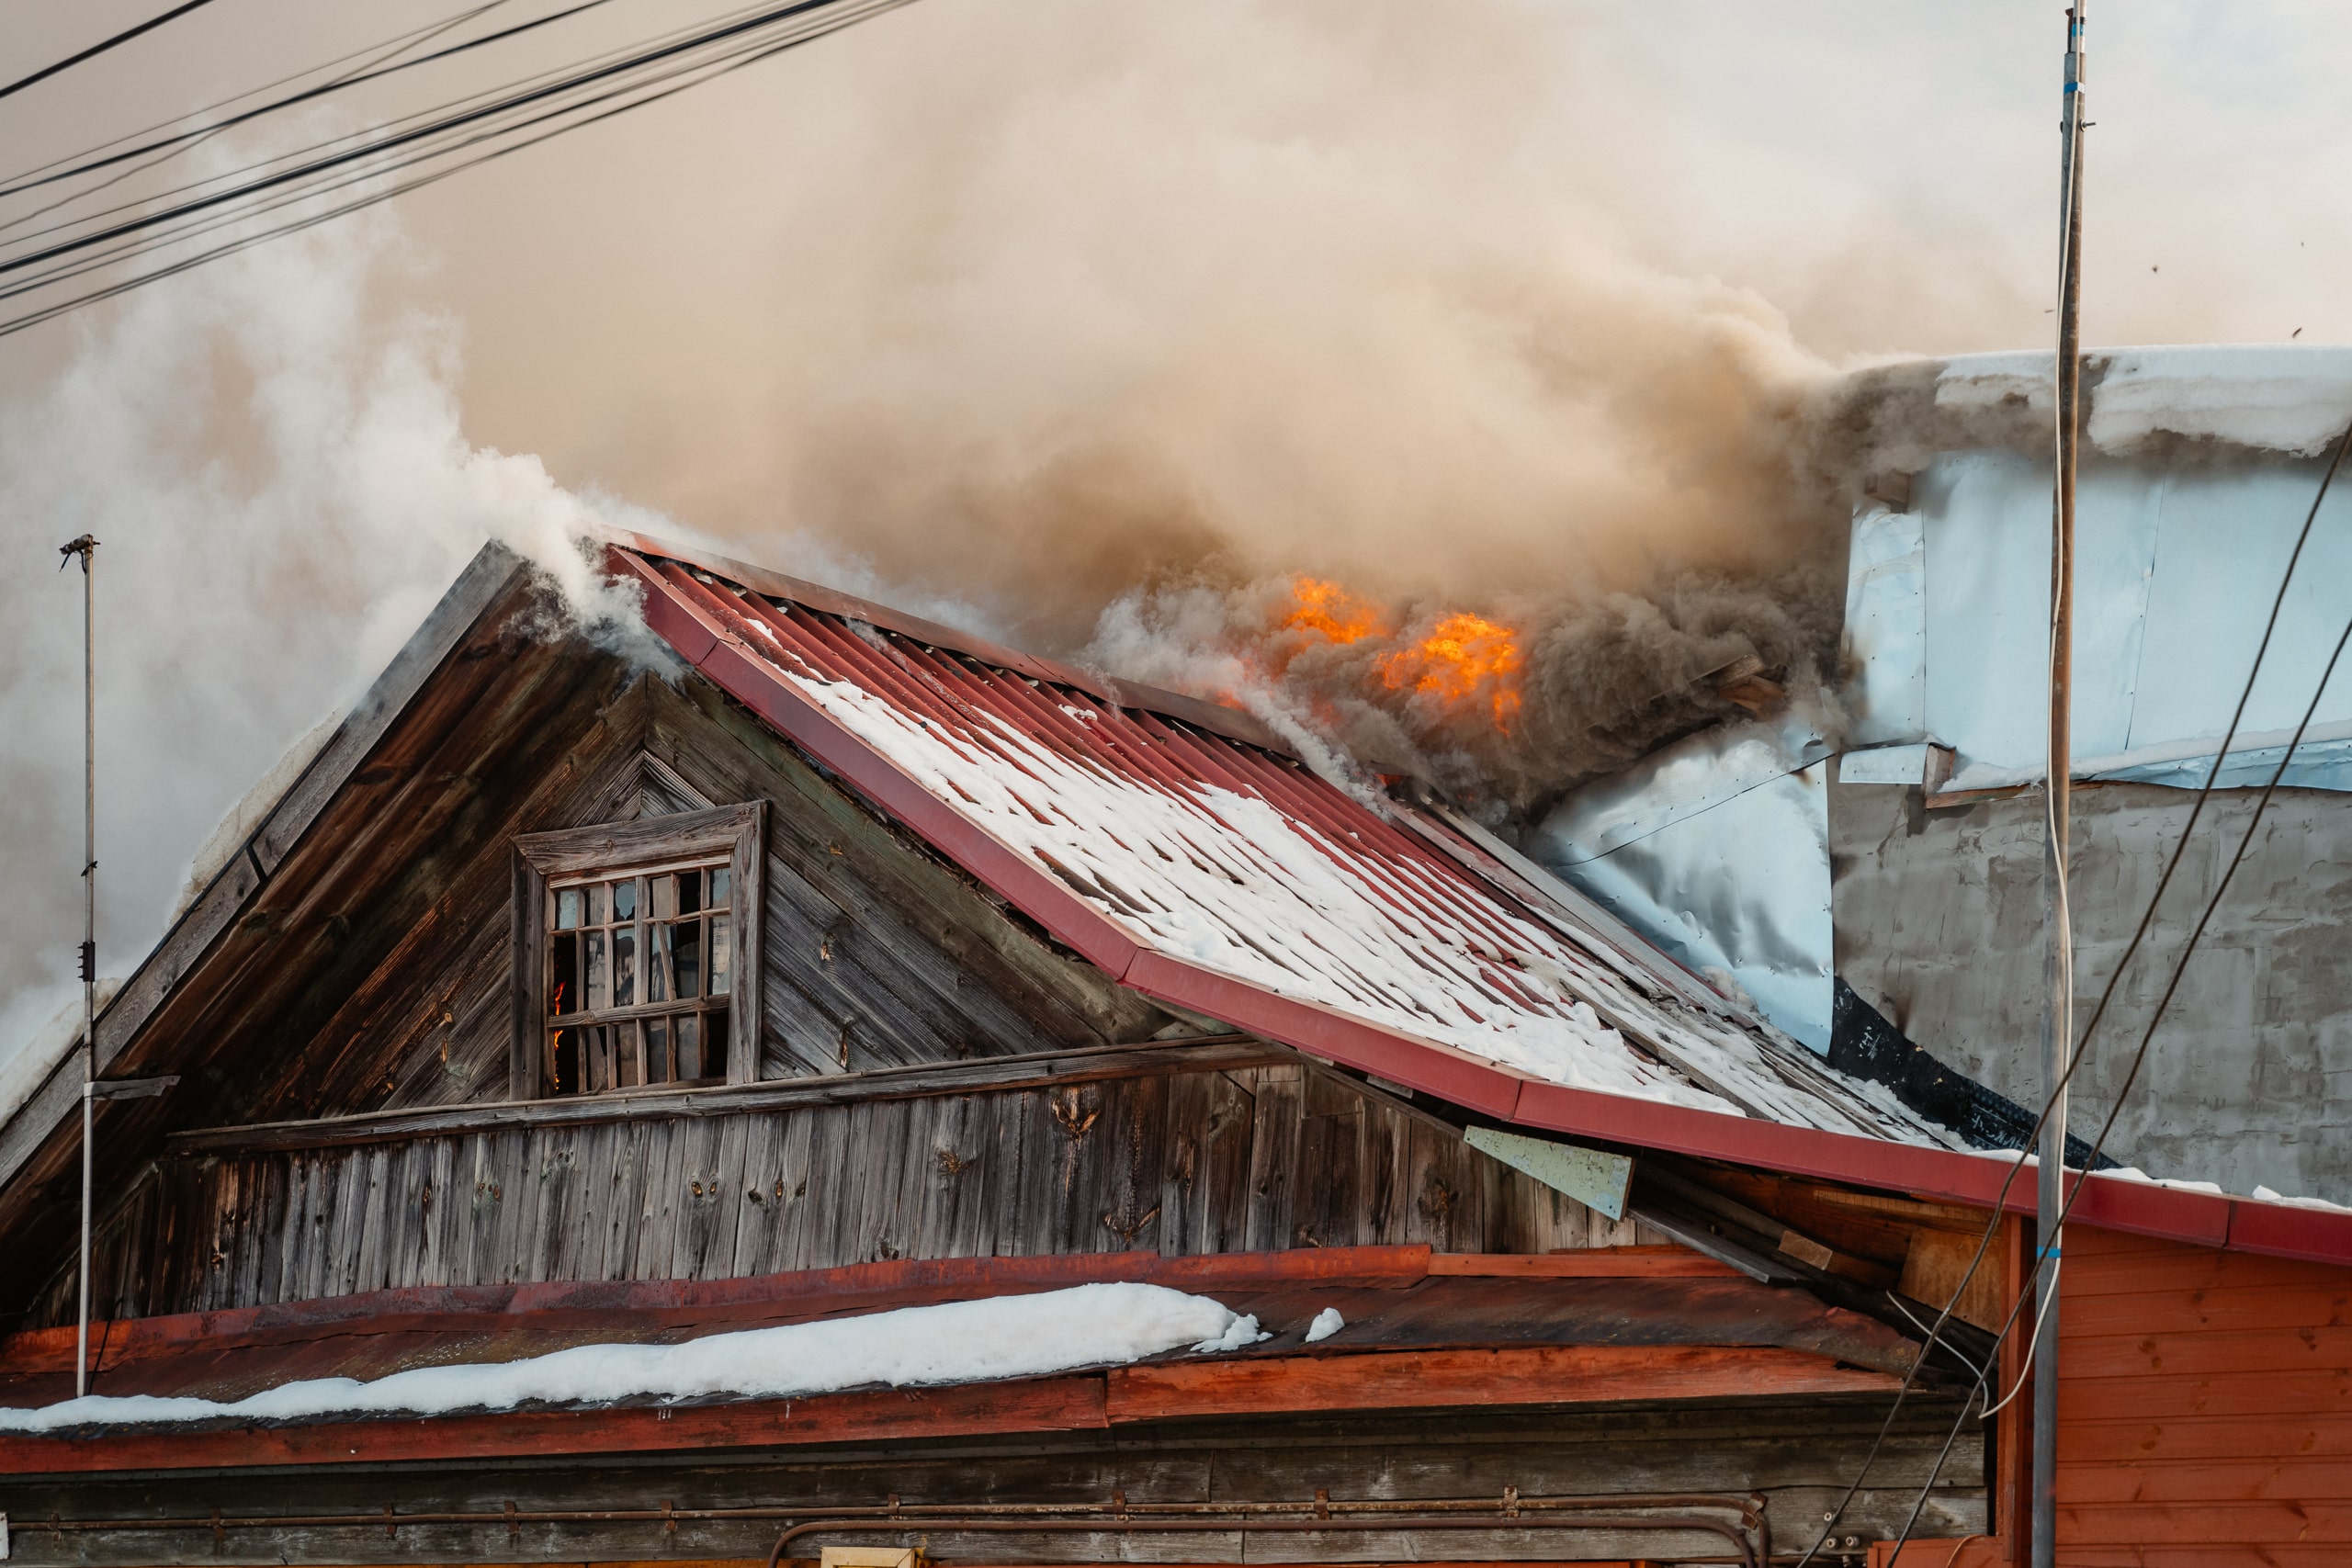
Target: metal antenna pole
<point x="86" y="547"/>
<point x="2058" y="971"/>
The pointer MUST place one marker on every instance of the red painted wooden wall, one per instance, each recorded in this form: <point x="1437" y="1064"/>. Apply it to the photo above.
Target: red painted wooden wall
<point x="2204" y="1406"/>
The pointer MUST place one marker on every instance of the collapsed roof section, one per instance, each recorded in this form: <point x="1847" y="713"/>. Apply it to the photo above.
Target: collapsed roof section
<point x="1208" y="870"/>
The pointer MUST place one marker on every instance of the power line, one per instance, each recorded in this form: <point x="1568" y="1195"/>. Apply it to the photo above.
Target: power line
<point x="390" y="50"/>
<point x="430" y="27"/>
<point x="91" y="164"/>
<point x="46" y="71"/>
<point x="539" y="94"/>
<point x="830" y="15"/>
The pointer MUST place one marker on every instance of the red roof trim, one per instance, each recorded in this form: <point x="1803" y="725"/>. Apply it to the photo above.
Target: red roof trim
<point x="689" y="617"/>
<point x="856" y="1287"/>
<point x="1389" y="1380"/>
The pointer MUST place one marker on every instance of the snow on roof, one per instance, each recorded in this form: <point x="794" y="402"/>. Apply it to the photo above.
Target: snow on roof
<point x="1234" y="860"/>
<point x="955" y="1342"/>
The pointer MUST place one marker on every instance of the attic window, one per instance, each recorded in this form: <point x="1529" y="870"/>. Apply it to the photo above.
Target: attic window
<point x="640" y="970"/>
<point x="636" y="955"/>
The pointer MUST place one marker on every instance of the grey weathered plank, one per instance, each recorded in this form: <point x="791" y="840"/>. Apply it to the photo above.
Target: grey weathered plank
<point x="1273" y="1157"/>
<point x="930" y="1079"/>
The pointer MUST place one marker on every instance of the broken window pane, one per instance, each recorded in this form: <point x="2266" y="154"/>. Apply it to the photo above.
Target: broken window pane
<point x="657" y="1050"/>
<point x="567" y="910"/>
<point x="685" y="959"/>
<point x="627" y="1056"/>
<point x="624" y="900"/>
<point x="563" y="975"/>
<point x="722" y="956"/>
<point x="624" y="966"/>
<point x="657" y="963"/>
<point x="689" y="892"/>
<point x="598" y="981"/>
<point x="565" y="1056"/>
<point x="714" y="1045"/>
<point x="600" y="1059"/>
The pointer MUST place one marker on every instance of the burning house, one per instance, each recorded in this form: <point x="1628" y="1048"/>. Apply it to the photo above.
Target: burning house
<point x="843" y="1089"/>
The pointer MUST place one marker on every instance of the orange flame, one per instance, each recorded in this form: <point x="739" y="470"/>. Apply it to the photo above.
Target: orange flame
<point x="1328" y="608"/>
<point x="1464" y="657"/>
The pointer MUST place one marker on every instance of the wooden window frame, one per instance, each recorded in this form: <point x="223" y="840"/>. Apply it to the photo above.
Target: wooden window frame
<point x="617" y="848"/>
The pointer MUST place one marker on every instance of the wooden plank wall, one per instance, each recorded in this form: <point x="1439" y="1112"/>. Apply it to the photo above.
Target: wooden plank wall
<point x="1246" y="1160"/>
<point x="2204" y="1406"/>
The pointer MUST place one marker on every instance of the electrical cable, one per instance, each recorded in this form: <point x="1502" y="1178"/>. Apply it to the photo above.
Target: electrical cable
<point x="2107" y="995"/>
<point x="252" y="91"/>
<point x="308" y="94"/>
<point x="2228" y="871"/>
<point x="197" y="138"/>
<point x="375" y="130"/>
<point x="840" y="14"/>
<point x="150" y="24"/>
<point x="415" y="134"/>
<point x="139" y="244"/>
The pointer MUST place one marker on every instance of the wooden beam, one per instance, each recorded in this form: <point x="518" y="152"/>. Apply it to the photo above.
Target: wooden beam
<point x="1246" y="1386"/>
<point x="1215" y="1054"/>
<point x="1547" y="1374"/>
<point x="1587" y="1263"/>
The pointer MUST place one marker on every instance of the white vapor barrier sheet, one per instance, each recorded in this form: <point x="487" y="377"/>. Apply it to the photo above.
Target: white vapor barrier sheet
<point x="1717" y="850"/>
<point x="1230" y="882"/>
<point x="1886" y="632"/>
<point x="958" y="1342"/>
<point x="2177" y="566"/>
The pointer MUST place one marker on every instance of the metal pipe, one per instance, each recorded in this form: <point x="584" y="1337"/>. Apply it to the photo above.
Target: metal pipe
<point x="1438" y="1513"/>
<point x="2058" y="969"/>
<point x="1115" y="1525"/>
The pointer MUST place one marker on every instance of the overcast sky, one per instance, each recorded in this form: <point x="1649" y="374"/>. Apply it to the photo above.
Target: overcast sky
<point x="1329" y="275"/>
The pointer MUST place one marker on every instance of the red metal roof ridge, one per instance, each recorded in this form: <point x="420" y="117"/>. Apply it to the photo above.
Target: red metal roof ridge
<point x="1475" y="1083"/>
<point x="1238" y="724"/>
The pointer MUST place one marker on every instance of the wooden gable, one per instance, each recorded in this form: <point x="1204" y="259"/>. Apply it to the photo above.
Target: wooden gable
<point x="356" y="956"/>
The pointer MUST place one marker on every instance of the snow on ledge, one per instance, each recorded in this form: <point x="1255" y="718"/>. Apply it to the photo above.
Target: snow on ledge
<point x="957" y="1342"/>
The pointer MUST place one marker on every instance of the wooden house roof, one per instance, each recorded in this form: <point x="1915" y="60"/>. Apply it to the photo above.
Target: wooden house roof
<point x="1173" y="843"/>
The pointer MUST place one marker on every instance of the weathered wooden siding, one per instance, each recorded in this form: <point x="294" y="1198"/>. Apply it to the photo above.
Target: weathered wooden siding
<point x="1793" y="1457"/>
<point x="2204" y="1405"/>
<point x="376" y="974"/>
<point x="1254" y="1159"/>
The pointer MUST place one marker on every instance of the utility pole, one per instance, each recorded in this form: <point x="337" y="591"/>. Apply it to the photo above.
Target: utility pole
<point x="86" y="547"/>
<point x="2058" y="968"/>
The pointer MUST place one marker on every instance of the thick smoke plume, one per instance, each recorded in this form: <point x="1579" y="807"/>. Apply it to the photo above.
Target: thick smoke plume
<point x="1118" y="332"/>
<point x="1097" y="328"/>
<point x="270" y="456"/>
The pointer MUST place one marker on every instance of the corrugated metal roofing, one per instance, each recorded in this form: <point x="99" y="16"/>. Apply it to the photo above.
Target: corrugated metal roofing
<point x="1223" y="855"/>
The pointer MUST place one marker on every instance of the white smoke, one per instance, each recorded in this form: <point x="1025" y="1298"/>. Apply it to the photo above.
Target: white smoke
<point x="269" y="453"/>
